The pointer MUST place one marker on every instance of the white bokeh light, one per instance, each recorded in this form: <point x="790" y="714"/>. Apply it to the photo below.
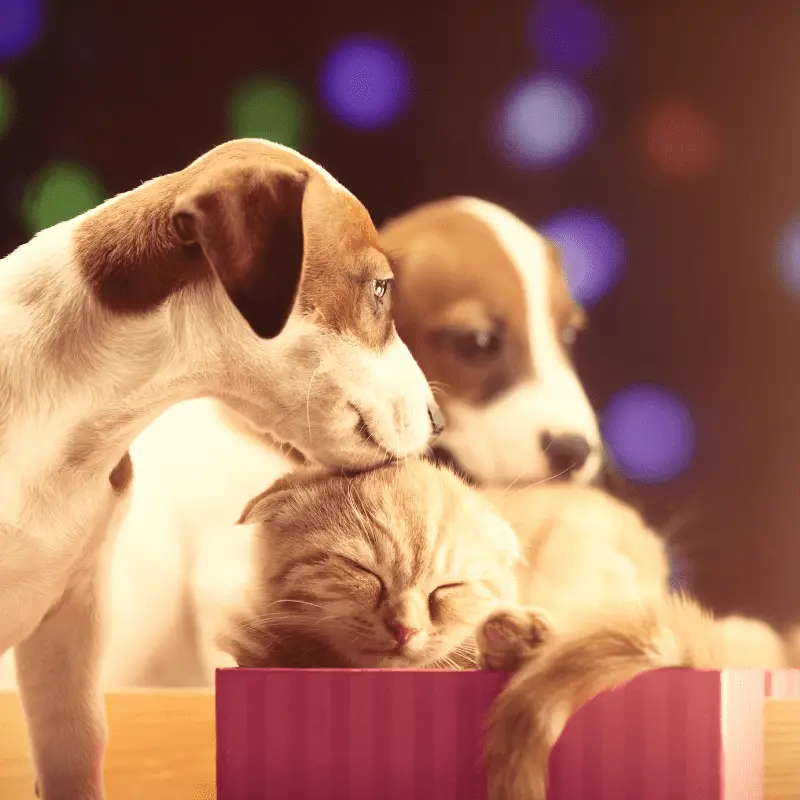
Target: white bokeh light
<point x="543" y="122"/>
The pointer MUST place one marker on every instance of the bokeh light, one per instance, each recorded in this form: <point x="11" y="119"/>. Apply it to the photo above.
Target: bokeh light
<point x="570" y="34"/>
<point x="650" y="433"/>
<point x="543" y="122"/>
<point x="366" y="82"/>
<point x="592" y="250"/>
<point x="264" y="108"/>
<point x="7" y="106"/>
<point x="21" y="26"/>
<point x="58" y="192"/>
<point x="679" y="140"/>
<point x="789" y="256"/>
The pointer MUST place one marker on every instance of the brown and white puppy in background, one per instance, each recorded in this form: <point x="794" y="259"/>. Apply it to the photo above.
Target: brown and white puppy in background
<point x="482" y="302"/>
<point x="559" y="670"/>
<point x="183" y="287"/>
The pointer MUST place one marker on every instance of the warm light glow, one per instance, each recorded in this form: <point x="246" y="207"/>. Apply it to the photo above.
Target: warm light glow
<point x="679" y="140"/>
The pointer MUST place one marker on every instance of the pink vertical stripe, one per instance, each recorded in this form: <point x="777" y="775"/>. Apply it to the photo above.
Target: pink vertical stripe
<point x="363" y="735"/>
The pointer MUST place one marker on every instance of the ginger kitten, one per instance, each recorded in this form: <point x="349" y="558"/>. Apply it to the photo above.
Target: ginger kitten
<point x="558" y="671"/>
<point x="394" y="567"/>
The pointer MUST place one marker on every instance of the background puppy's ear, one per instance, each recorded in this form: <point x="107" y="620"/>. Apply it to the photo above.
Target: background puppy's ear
<point x="257" y="509"/>
<point x="249" y="224"/>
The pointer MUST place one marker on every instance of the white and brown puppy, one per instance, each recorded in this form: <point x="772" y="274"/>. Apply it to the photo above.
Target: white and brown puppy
<point x="177" y="289"/>
<point x="482" y="302"/>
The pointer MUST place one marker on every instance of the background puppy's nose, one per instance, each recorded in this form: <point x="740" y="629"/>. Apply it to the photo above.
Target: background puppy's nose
<point x="567" y="452"/>
<point x="437" y="419"/>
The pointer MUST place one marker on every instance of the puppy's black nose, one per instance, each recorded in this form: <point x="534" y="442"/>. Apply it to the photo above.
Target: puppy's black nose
<point x="567" y="452"/>
<point x="437" y="419"/>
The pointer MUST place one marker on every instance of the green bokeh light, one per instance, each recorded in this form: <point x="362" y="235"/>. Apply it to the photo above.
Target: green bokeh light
<point x="271" y="109"/>
<point x="58" y="192"/>
<point x="7" y="105"/>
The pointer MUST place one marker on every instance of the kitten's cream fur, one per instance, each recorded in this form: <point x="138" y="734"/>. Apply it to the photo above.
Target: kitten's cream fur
<point x="560" y="670"/>
<point x="581" y="549"/>
<point x="338" y="561"/>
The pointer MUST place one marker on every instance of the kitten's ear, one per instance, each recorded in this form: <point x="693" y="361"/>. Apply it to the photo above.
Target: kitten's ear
<point x="303" y="477"/>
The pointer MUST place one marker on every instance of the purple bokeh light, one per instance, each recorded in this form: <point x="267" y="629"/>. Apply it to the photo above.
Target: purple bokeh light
<point x="21" y="26"/>
<point x="789" y="257"/>
<point x="593" y="253"/>
<point x="543" y="121"/>
<point x="570" y="34"/>
<point x="649" y="432"/>
<point x="366" y="82"/>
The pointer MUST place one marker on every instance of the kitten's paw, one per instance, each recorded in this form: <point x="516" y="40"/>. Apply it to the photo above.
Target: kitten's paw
<point x="509" y="637"/>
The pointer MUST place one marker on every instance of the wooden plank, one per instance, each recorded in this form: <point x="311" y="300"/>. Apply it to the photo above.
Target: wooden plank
<point x="162" y="745"/>
<point x="782" y="750"/>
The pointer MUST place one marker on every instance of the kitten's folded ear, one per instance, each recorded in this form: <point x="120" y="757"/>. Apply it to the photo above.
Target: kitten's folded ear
<point x="305" y="477"/>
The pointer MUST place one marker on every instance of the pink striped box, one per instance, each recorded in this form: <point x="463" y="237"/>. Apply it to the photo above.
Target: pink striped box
<point x="404" y="735"/>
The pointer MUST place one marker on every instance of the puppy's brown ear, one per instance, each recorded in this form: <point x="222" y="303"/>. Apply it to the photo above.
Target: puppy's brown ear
<point x="257" y="509"/>
<point x="248" y="222"/>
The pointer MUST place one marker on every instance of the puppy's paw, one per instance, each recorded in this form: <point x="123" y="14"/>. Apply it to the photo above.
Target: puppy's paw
<point x="508" y="637"/>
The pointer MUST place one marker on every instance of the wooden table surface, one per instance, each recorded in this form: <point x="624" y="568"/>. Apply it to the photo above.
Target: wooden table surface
<point x="162" y="746"/>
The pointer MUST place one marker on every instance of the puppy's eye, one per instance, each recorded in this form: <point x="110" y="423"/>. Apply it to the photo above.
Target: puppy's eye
<point x="475" y="346"/>
<point x="380" y="288"/>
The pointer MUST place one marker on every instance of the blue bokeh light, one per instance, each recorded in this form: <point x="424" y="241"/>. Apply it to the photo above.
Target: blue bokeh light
<point x="543" y="122"/>
<point x="21" y="26"/>
<point x="366" y="82"/>
<point x="593" y="252"/>
<point x="570" y="34"/>
<point x="650" y="433"/>
<point x="789" y="257"/>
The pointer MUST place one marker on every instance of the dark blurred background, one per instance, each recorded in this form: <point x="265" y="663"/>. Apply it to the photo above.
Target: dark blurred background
<point x="657" y="142"/>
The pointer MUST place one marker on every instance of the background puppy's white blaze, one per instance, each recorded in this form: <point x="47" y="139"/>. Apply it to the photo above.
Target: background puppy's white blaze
<point x="553" y="401"/>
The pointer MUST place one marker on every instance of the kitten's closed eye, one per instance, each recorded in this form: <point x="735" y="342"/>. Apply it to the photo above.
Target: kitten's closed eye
<point x="369" y="585"/>
<point x="438" y="597"/>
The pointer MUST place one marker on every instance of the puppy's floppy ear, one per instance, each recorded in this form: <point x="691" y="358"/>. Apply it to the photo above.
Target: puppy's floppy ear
<point x="248" y="222"/>
<point x="258" y="508"/>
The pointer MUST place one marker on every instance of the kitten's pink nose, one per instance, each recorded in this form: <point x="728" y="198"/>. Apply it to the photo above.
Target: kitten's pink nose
<point x="402" y="634"/>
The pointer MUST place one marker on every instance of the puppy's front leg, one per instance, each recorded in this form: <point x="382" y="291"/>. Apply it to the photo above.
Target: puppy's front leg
<point x="58" y="675"/>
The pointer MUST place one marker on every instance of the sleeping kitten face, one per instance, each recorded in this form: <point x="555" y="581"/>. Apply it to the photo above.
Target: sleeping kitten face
<point x="394" y="567"/>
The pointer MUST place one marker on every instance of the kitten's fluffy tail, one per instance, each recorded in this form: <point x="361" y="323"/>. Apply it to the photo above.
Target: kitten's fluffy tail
<point x="559" y="672"/>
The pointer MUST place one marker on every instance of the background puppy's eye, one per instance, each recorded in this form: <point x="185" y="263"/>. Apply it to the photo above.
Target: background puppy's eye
<point x="474" y="346"/>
